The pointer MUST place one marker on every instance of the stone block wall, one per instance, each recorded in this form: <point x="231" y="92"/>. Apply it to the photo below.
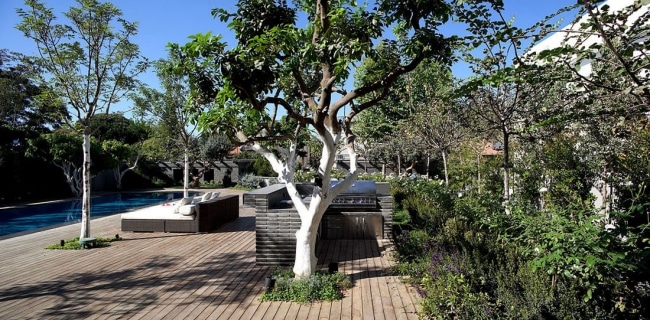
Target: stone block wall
<point x="275" y="239"/>
<point x="276" y="226"/>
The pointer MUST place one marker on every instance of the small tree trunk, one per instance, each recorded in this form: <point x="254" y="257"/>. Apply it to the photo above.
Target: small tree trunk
<point x="478" y="172"/>
<point x="72" y="177"/>
<point x="444" y="163"/>
<point x="428" y="164"/>
<point x="186" y="175"/>
<point x="506" y="167"/>
<point x="399" y="165"/>
<point x="119" y="175"/>
<point x="118" y="178"/>
<point x="85" y="201"/>
<point x="305" y="263"/>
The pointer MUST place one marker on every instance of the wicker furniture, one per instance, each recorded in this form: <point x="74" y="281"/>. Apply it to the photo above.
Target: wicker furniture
<point x="209" y="215"/>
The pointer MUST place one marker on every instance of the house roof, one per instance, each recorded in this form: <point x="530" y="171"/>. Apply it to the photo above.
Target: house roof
<point x="488" y="150"/>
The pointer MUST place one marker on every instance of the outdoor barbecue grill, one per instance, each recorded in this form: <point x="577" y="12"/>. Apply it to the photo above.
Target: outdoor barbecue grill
<point x="362" y="194"/>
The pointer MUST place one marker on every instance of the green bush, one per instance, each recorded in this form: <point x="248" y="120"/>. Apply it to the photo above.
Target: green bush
<point x="250" y="181"/>
<point x="304" y="176"/>
<point x="262" y="167"/>
<point x="429" y="203"/>
<point x="410" y="245"/>
<point x="400" y="217"/>
<point x="73" y="244"/>
<point x="320" y="286"/>
<point x="377" y="176"/>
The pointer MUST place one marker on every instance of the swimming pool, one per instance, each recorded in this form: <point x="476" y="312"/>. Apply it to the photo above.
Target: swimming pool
<point x="18" y="220"/>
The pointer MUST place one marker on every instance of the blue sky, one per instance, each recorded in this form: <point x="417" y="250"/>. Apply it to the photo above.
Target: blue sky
<point x="164" y="21"/>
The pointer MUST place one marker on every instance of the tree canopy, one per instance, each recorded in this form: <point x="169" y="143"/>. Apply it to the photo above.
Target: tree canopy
<point x="88" y="61"/>
<point x="279" y="68"/>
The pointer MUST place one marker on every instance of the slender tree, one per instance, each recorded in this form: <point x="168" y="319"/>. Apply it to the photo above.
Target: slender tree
<point x="495" y="97"/>
<point x="169" y="109"/>
<point x="121" y="140"/>
<point x="90" y="61"/>
<point x="63" y="148"/>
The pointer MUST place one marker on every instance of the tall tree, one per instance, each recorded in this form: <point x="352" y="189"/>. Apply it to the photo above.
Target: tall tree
<point x="23" y="104"/>
<point x="496" y="97"/>
<point x="63" y="148"/>
<point x="387" y="118"/>
<point x="211" y="148"/>
<point x="169" y="109"/>
<point x="121" y="140"/>
<point x="603" y="54"/>
<point x="90" y="61"/>
<point x="25" y="112"/>
<point x="601" y="59"/>
<point x="302" y="71"/>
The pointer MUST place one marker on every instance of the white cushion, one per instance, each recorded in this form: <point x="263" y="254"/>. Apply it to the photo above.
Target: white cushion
<point x="184" y="201"/>
<point x="186" y="210"/>
<point x="215" y="195"/>
<point x="206" y="196"/>
<point x="156" y="212"/>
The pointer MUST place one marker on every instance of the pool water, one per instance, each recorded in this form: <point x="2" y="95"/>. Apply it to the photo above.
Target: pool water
<point x="18" y="220"/>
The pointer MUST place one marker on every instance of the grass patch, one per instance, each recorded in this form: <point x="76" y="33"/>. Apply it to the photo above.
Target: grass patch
<point x="240" y="187"/>
<point x="321" y="286"/>
<point x="73" y="244"/>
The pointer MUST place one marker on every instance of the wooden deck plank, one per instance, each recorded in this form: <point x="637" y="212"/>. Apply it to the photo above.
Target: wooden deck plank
<point x="292" y="313"/>
<point x="182" y="276"/>
<point x="347" y="310"/>
<point x="332" y="310"/>
<point x="238" y="243"/>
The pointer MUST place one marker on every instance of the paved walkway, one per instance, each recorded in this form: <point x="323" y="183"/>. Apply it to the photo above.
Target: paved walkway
<point x="182" y="276"/>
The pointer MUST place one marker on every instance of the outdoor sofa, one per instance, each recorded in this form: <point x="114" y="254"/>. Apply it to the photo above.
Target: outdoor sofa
<point x="189" y="215"/>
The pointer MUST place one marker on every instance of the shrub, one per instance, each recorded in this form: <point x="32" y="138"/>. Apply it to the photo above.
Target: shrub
<point x="317" y="287"/>
<point x="377" y="176"/>
<point x="262" y="167"/>
<point x="73" y="244"/>
<point x="250" y="181"/>
<point x="410" y="245"/>
<point x="304" y="176"/>
<point x="428" y="202"/>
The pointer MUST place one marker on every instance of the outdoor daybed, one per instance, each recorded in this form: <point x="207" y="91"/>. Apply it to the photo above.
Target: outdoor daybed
<point x="188" y="215"/>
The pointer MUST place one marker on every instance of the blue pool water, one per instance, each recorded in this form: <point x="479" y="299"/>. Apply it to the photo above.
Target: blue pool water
<point x="38" y="216"/>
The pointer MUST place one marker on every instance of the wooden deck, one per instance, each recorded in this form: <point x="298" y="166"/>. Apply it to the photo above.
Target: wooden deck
<point x="182" y="276"/>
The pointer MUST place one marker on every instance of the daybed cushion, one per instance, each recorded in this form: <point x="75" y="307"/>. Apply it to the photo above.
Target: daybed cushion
<point x="156" y="212"/>
<point x="215" y="195"/>
<point x="184" y="201"/>
<point x="206" y="196"/>
<point x="187" y="210"/>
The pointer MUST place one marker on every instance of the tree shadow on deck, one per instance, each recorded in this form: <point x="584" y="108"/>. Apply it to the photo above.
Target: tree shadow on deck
<point x="356" y="256"/>
<point x="207" y="277"/>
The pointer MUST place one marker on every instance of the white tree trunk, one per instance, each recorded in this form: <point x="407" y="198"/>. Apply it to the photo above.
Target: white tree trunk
<point x="444" y="162"/>
<point x="72" y="177"/>
<point x="118" y="177"/>
<point x="85" y="200"/>
<point x="478" y="172"/>
<point x="428" y="165"/>
<point x="310" y="217"/>
<point x="186" y="174"/>
<point x="306" y="236"/>
<point x="120" y="174"/>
